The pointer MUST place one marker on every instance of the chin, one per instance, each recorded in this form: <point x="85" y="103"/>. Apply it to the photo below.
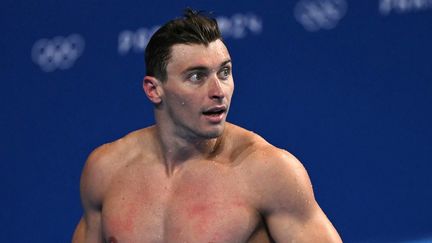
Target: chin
<point x="213" y="133"/>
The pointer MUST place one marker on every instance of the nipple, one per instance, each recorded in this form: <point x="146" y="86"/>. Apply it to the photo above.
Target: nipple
<point x="112" y="240"/>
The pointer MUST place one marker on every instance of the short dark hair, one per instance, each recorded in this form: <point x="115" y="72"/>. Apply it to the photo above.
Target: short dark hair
<point x="194" y="27"/>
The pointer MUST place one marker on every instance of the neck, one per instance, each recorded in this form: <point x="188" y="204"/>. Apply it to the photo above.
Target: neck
<point x="176" y="150"/>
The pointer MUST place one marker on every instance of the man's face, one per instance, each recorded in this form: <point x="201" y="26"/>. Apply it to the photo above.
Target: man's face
<point x="198" y="89"/>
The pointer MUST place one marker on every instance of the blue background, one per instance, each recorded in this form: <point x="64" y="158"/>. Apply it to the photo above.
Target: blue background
<point x="352" y="102"/>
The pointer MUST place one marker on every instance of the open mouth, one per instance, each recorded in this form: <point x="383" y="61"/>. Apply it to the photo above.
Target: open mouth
<point x="215" y="111"/>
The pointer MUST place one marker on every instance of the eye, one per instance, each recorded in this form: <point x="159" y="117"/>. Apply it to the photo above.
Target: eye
<point x="225" y="73"/>
<point x="196" y="77"/>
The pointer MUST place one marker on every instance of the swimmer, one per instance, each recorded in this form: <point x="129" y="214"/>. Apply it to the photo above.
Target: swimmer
<point x="193" y="177"/>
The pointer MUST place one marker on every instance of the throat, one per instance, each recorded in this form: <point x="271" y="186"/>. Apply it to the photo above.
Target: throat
<point x="176" y="159"/>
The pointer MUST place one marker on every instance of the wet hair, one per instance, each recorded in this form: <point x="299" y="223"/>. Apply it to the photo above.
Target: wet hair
<point x="194" y="27"/>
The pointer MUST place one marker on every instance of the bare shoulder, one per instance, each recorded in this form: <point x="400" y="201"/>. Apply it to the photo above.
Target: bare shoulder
<point x="279" y="188"/>
<point x="260" y="153"/>
<point x="103" y="163"/>
<point x="275" y="174"/>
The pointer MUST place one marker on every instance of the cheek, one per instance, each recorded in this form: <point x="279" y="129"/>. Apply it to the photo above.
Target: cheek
<point x="183" y="105"/>
<point x="175" y="100"/>
<point x="188" y="100"/>
<point x="229" y="91"/>
<point x="184" y="102"/>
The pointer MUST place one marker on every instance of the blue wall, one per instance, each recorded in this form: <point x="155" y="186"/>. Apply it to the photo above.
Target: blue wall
<point x="344" y="85"/>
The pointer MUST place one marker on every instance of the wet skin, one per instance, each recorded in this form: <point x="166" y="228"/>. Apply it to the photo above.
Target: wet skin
<point x="204" y="201"/>
<point x="193" y="177"/>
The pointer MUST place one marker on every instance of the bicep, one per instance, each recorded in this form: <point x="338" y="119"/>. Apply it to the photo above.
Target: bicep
<point x="311" y="226"/>
<point x="79" y="234"/>
<point x="92" y="186"/>
<point x="88" y="230"/>
<point x="289" y="205"/>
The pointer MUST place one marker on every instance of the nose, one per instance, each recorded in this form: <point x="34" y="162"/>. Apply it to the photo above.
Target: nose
<point x="215" y="89"/>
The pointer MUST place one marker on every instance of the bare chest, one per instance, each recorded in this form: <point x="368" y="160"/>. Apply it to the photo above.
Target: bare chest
<point x="201" y="206"/>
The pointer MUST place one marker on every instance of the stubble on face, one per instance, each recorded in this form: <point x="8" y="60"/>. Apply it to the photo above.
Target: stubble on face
<point x="185" y="100"/>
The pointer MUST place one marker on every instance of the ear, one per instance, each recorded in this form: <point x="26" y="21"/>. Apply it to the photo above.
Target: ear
<point x="152" y="89"/>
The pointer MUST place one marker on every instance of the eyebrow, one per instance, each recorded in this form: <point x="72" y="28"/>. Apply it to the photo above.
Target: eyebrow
<point x="203" y="68"/>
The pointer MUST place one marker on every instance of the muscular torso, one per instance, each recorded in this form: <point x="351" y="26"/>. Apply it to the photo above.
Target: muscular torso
<point x="206" y="200"/>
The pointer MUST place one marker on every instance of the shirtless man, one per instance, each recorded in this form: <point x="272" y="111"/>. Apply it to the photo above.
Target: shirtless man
<point x="192" y="177"/>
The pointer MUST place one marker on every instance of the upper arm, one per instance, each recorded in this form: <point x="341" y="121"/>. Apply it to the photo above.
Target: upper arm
<point x="92" y="187"/>
<point x="289" y="206"/>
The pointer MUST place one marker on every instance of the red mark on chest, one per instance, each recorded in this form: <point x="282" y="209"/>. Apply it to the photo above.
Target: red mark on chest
<point x="198" y="210"/>
<point x="209" y="216"/>
<point x="123" y="220"/>
<point x="201" y="214"/>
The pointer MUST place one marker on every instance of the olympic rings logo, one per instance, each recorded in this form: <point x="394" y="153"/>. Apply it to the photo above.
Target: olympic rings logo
<point x="320" y="14"/>
<point x="403" y="6"/>
<point x="57" y="53"/>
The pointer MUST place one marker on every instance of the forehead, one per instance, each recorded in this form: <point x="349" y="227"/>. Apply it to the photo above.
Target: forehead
<point x="187" y="55"/>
